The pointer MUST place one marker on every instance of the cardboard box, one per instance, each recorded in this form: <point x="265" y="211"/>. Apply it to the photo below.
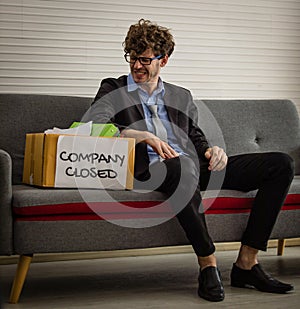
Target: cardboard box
<point x="69" y="161"/>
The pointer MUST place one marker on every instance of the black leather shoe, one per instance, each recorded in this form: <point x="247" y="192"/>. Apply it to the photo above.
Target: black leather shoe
<point x="210" y="284"/>
<point x="256" y="277"/>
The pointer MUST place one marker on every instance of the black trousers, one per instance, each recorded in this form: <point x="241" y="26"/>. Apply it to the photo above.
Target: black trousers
<point x="182" y="180"/>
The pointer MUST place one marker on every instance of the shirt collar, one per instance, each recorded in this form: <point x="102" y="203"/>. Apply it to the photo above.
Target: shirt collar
<point x="132" y="85"/>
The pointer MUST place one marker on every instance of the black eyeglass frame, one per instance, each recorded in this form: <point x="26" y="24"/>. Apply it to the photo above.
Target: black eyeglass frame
<point x="142" y="60"/>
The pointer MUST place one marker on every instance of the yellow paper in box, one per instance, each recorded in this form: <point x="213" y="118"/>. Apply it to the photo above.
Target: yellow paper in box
<point x="43" y="155"/>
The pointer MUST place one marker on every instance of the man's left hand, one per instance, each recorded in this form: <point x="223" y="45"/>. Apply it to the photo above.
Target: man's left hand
<point x="217" y="158"/>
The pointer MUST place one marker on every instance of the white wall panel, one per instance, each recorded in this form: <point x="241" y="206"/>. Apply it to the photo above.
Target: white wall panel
<point x="224" y="49"/>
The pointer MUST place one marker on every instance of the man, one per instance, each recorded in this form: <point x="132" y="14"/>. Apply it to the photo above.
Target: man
<point x="171" y="144"/>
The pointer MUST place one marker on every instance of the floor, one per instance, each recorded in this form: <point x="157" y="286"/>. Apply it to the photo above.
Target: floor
<point x="145" y="282"/>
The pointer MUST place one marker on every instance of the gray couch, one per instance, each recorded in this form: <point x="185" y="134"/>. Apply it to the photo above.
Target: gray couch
<point x="38" y="220"/>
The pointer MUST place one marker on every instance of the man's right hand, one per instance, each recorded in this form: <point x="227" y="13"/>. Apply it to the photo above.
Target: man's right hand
<point x="162" y="148"/>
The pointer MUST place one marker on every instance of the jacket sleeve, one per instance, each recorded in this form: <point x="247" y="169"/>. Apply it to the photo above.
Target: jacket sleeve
<point x="101" y="111"/>
<point x="196" y="134"/>
<point x="104" y="107"/>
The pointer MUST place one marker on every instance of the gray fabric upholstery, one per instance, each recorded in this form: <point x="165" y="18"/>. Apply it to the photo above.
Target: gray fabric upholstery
<point x="6" y="222"/>
<point x="230" y="227"/>
<point x="257" y="126"/>
<point x="76" y="236"/>
<point x="241" y="126"/>
<point x="21" y="114"/>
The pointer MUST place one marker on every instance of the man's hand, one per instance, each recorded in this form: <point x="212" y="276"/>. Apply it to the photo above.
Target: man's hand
<point x="162" y="148"/>
<point x="217" y="158"/>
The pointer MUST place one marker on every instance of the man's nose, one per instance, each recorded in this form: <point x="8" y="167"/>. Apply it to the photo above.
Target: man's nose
<point x="137" y="64"/>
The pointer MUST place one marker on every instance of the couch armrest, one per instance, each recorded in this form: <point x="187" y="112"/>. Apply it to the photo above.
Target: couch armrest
<point x="6" y="220"/>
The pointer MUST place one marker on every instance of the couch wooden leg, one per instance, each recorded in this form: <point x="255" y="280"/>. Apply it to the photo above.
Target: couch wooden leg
<point x="22" y="269"/>
<point x="280" y="248"/>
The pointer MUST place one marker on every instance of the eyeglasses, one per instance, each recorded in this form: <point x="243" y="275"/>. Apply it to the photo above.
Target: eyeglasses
<point x="142" y="60"/>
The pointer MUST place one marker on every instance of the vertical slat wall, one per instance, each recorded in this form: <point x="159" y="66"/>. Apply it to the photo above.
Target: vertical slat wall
<point x="225" y="49"/>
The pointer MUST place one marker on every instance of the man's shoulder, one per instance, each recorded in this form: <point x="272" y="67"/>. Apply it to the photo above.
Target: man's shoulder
<point x="115" y="82"/>
<point x="110" y="84"/>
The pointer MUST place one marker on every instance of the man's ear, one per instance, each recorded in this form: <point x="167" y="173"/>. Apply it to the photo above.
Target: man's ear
<point x="164" y="61"/>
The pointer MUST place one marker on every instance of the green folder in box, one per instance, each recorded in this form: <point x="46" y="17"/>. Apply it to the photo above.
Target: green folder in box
<point x="100" y="129"/>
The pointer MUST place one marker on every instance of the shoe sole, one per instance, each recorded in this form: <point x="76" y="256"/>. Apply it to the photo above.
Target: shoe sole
<point x="248" y="286"/>
<point x="210" y="299"/>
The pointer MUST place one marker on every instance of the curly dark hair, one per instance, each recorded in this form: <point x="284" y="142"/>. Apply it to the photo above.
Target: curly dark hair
<point x="146" y="34"/>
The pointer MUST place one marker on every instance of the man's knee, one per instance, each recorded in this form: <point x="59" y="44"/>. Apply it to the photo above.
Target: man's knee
<point x="185" y="174"/>
<point x="284" y="163"/>
<point x="190" y="170"/>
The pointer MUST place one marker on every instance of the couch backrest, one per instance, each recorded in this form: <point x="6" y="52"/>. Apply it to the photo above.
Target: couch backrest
<point x="245" y="126"/>
<point x="26" y="113"/>
<point x="240" y="126"/>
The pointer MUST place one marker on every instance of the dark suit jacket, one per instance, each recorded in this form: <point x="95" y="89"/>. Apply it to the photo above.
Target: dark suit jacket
<point x="114" y="104"/>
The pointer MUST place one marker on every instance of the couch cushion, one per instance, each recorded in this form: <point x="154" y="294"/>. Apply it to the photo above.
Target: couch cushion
<point x="31" y="203"/>
<point x="71" y="204"/>
<point x="231" y="201"/>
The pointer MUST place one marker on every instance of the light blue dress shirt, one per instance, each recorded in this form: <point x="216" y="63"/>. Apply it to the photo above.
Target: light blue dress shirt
<point x="155" y="98"/>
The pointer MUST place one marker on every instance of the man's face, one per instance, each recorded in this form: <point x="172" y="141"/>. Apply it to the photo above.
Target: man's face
<point x="146" y="73"/>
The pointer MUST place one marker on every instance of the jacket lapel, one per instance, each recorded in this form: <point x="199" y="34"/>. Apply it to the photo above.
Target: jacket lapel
<point x="135" y="99"/>
<point x="171" y="108"/>
<point x="136" y="111"/>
